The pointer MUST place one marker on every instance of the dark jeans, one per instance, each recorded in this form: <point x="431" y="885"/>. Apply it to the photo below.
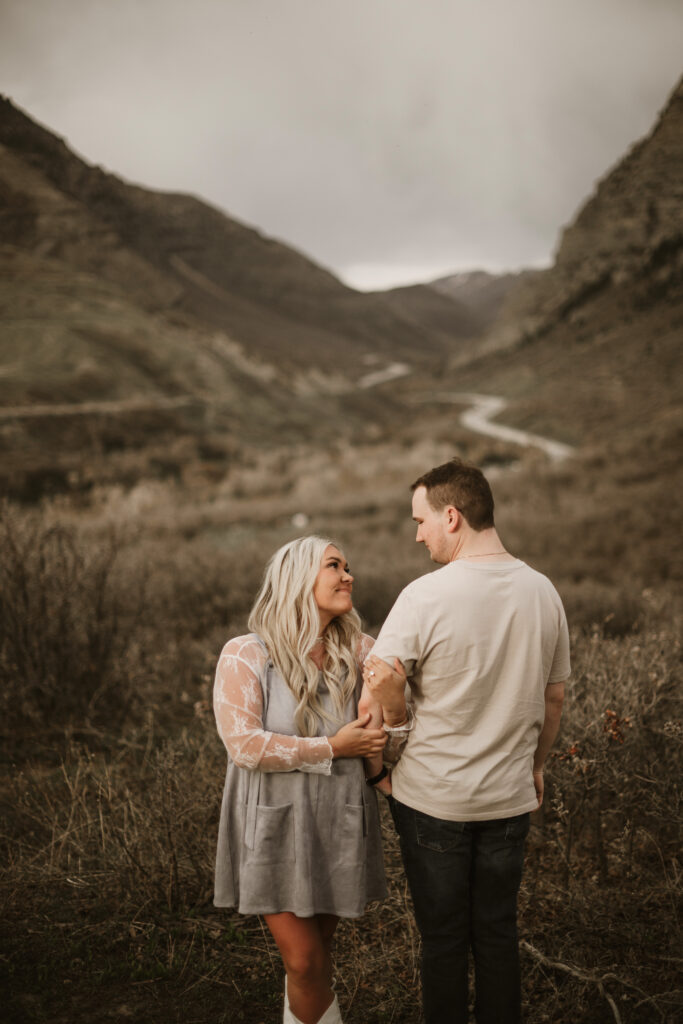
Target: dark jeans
<point x="464" y="877"/>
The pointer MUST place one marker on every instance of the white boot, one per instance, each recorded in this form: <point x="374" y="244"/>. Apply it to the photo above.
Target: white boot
<point x="330" y="1016"/>
<point x="288" y="1017"/>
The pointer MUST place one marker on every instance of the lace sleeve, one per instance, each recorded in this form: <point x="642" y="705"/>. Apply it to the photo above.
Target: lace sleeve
<point x="365" y="645"/>
<point x="398" y="736"/>
<point x="238" y="707"/>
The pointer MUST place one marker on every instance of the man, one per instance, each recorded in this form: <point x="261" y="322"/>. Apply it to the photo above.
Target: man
<point x="484" y="643"/>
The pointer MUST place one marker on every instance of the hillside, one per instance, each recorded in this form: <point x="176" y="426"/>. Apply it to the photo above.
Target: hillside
<point x="628" y="234"/>
<point x="438" y="312"/>
<point x="173" y="253"/>
<point x="140" y="329"/>
<point x="589" y="352"/>
<point x="171" y="336"/>
<point x="158" y="458"/>
<point x="480" y="292"/>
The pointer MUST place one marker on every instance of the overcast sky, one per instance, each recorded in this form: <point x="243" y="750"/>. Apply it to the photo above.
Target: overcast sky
<point x="390" y="140"/>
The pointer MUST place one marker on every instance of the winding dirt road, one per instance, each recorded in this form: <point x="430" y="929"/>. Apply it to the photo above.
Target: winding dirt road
<point x="112" y="406"/>
<point x="484" y="407"/>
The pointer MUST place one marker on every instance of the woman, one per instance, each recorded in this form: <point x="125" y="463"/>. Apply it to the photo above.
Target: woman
<point x="299" y="839"/>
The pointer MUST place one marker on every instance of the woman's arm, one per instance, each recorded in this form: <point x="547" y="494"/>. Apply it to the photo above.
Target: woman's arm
<point x="387" y="685"/>
<point x="238" y="707"/>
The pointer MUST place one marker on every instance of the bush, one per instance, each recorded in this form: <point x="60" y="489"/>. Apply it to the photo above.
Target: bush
<point x="95" y="631"/>
<point x="603" y="879"/>
<point x="592" y="606"/>
<point x="108" y="851"/>
<point x="66" y="623"/>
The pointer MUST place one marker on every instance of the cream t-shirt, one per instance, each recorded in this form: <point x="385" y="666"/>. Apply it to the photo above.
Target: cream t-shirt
<point x="480" y="642"/>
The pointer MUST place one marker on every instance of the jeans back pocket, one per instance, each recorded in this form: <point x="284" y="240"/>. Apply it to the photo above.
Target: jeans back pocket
<point x="437" y="834"/>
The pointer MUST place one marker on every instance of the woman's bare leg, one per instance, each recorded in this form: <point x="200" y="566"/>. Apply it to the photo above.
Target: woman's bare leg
<point x="328" y="925"/>
<point x="305" y="944"/>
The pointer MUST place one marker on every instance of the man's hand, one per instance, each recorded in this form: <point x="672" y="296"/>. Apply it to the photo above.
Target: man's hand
<point x="387" y="685"/>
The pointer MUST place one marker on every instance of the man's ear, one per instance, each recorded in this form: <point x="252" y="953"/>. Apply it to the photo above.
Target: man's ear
<point x="453" y="518"/>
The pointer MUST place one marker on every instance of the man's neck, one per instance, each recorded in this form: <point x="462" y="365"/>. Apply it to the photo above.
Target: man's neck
<point x="482" y="545"/>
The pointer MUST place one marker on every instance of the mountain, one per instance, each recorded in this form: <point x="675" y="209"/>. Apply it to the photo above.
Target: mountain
<point x="480" y="292"/>
<point x="590" y="349"/>
<point x="465" y="304"/>
<point x="173" y="255"/>
<point x="630" y="232"/>
<point x="141" y="332"/>
<point x="444" y="316"/>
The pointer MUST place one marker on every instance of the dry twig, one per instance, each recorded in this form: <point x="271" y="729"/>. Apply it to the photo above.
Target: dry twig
<point x="589" y="976"/>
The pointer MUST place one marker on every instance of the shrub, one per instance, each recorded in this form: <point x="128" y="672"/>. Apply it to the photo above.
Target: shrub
<point x="66" y="623"/>
<point x="603" y="880"/>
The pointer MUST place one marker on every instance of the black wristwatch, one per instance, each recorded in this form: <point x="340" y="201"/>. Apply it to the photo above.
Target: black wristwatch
<point x="378" y="778"/>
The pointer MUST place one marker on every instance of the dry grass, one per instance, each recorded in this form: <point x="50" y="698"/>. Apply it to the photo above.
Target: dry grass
<point x="112" y="781"/>
<point x="607" y="851"/>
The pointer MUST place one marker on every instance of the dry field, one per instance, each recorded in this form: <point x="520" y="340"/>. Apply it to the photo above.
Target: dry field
<point x="112" y="615"/>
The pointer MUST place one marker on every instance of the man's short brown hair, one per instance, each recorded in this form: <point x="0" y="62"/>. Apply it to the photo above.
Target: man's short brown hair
<point x="462" y="485"/>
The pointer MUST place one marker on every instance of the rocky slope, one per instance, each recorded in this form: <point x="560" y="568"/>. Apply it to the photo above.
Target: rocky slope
<point x="590" y="350"/>
<point x="120" y="296"/>
<point x="140" y="331"/>
<point x="173" y="253"/>
<point x="630" y="232"/>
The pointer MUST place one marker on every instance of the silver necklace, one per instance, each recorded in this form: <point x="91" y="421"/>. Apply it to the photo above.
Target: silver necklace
<point x="484" y="554"/>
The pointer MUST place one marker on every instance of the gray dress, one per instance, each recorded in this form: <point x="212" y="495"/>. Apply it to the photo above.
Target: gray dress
<point x="298" y="841"/>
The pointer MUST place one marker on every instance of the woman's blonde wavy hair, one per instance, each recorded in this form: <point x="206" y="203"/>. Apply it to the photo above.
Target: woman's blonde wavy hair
<point x="285" y="616"/>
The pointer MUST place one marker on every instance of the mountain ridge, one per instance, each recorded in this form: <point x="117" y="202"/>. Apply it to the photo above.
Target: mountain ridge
<point x="629" y="230"/>
<point x="130" y="310"/>
<point x="173" y="252"/>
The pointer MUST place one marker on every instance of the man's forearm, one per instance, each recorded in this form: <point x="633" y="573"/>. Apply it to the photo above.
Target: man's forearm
<point x="554" y="700"/>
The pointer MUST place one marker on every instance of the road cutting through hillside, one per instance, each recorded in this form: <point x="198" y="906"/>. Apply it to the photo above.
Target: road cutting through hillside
<point x="484" y="407"/>
<point x="111" y="406"/>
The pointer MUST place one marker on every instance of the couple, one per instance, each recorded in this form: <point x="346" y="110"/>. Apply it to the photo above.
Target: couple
<point x="309" y="717"/>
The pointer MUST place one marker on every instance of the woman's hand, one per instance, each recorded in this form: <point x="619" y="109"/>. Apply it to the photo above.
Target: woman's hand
<point x="387" y="685"/>
<point x="355" y="740"/>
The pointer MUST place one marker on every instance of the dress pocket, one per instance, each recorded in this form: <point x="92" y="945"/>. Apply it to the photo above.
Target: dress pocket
<point x="273" y="834"/>
<point x="350" y="848"/>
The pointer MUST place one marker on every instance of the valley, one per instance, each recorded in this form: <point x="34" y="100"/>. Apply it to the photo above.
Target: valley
<point x="180" y="395"/>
